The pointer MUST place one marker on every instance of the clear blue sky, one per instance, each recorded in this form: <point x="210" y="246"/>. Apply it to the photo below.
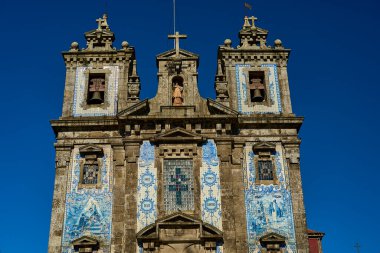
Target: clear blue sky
<point x="334" y="80"/>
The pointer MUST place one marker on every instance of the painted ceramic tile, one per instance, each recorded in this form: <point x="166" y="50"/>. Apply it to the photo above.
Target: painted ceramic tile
<point x="79" y="94"/>
<point x="88" y="211"/>
<point x="147" y="187"/>
<point x="210" y="187"/>
<point x="268" y="207"/>
<point x="274" y="90"/>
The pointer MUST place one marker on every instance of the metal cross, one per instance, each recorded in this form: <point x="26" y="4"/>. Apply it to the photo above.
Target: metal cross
<point x="357" y="246"/>
<point x="177" y="37"/>
<point x="179" y="185"/>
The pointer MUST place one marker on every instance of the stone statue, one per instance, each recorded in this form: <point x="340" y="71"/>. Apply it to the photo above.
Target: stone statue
<point x="177" y="95"/>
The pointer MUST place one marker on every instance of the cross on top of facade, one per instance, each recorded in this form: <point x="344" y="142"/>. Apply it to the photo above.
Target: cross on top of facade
<point x="253" y="19"/>
<point x="102" y="22"/>
<point x="177" y="37"/>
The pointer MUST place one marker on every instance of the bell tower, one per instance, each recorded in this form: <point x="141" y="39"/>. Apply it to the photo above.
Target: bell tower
<point x="98" y="75"/>
<point x="252" y="78"/>
<point x="100" y="82"/>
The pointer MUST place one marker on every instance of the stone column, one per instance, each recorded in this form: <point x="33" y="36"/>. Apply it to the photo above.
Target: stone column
<point x="63" y="155"/>
<point x="293" y="155"/>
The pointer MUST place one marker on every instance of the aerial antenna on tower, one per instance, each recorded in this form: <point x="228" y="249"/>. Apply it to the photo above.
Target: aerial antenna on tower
<point x="174" y="16"/>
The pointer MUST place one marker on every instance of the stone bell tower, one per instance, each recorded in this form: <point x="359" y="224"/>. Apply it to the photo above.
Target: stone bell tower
<point x="100" y="82"/>
<point x="178" y="173"/>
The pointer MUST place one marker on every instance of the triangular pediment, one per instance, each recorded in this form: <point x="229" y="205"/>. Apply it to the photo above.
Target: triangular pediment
<point x="140" y="108"/>
<point x="218" y="108"/>
<point x="85" y="241"/>
<point x="96" y="32"/>
<point x="264" y="146"/>
<point x="178" y="135"/>
<point x="272" y="237"/>
<point x="178" y="217"/>
<point x="91" y="149"/>
<point x="172" y="54"/>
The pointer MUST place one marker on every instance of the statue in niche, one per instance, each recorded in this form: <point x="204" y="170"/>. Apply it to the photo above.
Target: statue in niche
<point x="177" y="94"/>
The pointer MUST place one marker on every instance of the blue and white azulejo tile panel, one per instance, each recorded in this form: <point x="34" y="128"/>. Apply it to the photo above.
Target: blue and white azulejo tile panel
<point x="88" y="211"/>
<point x="147" y="187"/>
<point x="268" y="207"/>
<point x="210" y="187"/>
<point x="80" y="90"/>
<point x="242" y="80"/>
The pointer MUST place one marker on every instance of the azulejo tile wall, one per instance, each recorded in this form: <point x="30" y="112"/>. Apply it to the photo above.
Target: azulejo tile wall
<point x="210" y="187"/>
<point x="268" y="207"/>
<point x="274" y="91"/>
<point x="88" y="212"/>
<point x="80" y="91"/>
<point x="147" y="187"/>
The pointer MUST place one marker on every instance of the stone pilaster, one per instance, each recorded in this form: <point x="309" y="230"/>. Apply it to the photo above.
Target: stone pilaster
<point x="132" y="153"/>
<point x="62" y="167"/>
<point x="233" y="211"/>
<point x="118" y="214"/>
<point x="292" y="155"/>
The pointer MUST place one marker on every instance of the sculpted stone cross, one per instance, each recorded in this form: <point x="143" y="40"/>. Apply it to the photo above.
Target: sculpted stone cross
<point x="102" y="22"/>
<point x="177" y="37"/>
<point x="253" y="20"/>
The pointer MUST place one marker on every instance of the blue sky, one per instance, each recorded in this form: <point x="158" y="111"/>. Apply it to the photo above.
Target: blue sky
<point x="333" y="72"/>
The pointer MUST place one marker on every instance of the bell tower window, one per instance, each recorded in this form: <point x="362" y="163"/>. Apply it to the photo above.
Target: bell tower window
<point x="257" y="92"/>
<point x="96" y="88"/>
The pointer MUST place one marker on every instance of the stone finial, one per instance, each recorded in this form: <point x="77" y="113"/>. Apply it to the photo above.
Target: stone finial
<point x="227" y="43"/>
<point x="278" y="44"/>
<point x="74" y="46"/>
<point x="124" y="45"/>
<point x="246" y="23"/>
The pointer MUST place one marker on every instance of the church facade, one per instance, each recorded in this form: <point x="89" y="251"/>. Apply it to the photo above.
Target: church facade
<point x="178" y="172"/>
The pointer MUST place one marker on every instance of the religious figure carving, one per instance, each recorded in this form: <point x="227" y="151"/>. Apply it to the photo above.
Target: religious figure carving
<point x="177" y="94"/>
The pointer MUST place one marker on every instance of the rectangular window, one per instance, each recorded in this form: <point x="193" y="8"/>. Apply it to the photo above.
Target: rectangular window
<point x="178" y="185"/>
<point x="265" y="168"/>
<point x="90" y="173"/>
